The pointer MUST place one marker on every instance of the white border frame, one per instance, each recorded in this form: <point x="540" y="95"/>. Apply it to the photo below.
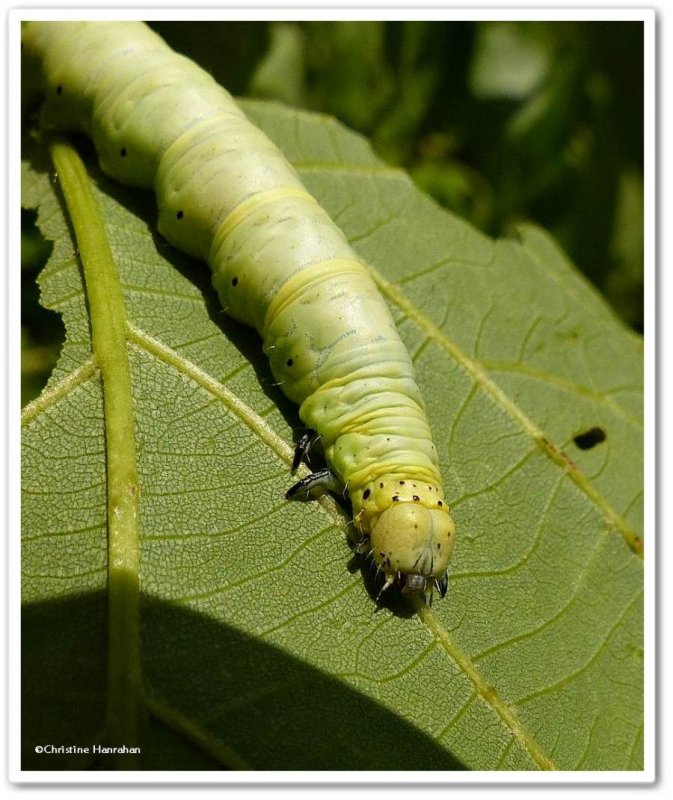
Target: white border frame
<point x="345" y="11"/>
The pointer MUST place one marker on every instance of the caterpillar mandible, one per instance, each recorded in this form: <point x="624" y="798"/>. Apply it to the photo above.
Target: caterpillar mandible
<point x="226" y="195"/>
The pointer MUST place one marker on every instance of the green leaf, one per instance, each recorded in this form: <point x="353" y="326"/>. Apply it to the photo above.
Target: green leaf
<point x="260" y="644"/>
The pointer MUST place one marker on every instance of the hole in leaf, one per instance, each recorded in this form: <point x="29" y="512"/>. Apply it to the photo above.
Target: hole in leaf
<point x="590" y="438"/>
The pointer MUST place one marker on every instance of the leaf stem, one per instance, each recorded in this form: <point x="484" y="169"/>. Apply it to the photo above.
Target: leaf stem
<point x="108" y="328"/>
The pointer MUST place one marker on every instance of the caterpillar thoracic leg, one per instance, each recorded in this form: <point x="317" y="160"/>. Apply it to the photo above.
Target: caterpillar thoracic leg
<point x="302" y="450"/>
<point x="324" y="478"/>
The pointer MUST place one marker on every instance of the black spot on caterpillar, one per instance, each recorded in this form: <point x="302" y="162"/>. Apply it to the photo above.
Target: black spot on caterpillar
<point x="331" y="341"/>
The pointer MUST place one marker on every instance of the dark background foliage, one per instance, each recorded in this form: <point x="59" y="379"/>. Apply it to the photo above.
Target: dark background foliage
<point x="499" y="121"/>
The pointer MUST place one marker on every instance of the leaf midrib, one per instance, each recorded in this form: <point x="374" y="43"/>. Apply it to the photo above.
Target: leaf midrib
<point x="107" y="314"/>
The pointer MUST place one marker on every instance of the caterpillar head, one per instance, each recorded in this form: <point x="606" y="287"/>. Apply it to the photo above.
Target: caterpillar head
<point x="412" y="545"/>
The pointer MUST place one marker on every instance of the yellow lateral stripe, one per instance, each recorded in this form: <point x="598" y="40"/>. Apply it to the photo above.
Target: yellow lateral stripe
<point x="251" y="206"/>
<point x="299" y="282"/>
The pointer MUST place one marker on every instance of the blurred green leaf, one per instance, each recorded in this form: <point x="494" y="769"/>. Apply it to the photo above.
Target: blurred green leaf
<point x="260" y="648"/>
<point x="280" y="74"/>
<point x="509" y="62"/>
<point x="624" y="285"/>
<point x="347" y="72"/>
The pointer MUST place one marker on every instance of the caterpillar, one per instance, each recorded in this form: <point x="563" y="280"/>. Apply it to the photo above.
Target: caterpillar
<point x="227" y="196"/>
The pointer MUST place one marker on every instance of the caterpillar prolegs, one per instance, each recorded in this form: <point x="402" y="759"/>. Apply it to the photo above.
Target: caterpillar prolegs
<point x="227" y="195"/>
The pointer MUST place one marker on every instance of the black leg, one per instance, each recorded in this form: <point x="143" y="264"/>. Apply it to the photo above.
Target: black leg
<point x="323" y="478"/>
<point x="442" y="584"/>
<point x="302" y="449"/>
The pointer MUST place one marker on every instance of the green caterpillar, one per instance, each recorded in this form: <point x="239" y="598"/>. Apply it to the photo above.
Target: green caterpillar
<point x="227" y="195"/>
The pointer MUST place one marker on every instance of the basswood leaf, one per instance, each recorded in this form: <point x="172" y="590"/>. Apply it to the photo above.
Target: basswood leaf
<point x="261" y="645"/>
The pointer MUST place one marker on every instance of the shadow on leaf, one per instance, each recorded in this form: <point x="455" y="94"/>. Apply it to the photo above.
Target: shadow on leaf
<point x="244" y="696"/>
